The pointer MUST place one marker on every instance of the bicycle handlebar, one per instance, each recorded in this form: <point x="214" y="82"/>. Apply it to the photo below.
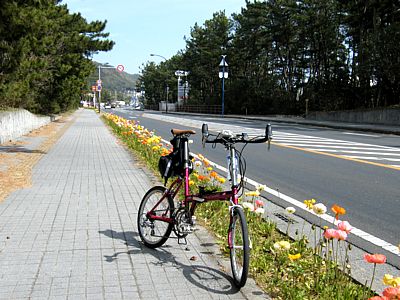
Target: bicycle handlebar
<point x="228" y="138"/>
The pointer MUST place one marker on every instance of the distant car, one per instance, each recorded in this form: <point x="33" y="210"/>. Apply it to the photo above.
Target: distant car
<point x="107" y="105"/>
<point x="113" y="105"/>
<point x="139" y="107"/>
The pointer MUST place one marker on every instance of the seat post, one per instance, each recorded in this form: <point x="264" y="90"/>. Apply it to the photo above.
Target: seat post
<point x="186" y="164"/>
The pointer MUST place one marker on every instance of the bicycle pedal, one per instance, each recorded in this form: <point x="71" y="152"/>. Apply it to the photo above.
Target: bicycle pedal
<point x="198" y="199"/>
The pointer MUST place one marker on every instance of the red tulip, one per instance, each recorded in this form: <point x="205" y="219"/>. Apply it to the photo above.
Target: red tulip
<point x="375" y="258"/>
<point x="392" y="292"/>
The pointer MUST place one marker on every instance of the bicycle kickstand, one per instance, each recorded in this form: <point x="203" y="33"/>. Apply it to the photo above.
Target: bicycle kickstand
<point x="182" y="240"/>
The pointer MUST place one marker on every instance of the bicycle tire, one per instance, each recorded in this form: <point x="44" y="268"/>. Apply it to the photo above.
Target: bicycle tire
<point x="239" y="235"/>
<point x="155" y="233"/>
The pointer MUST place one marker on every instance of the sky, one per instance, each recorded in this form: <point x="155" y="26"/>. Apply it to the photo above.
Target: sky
<point x="142" y="27"/>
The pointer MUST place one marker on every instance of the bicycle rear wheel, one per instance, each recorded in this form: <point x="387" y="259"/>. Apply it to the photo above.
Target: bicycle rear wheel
<point x="154" y="233"/>
<point x="240" y="250"/>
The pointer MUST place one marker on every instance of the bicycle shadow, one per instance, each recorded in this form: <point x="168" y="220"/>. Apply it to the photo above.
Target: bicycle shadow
<point x="201" y="276"/>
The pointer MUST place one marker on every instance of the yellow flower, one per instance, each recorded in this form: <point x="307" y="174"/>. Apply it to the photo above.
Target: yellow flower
<point x="390" y="280"/>
<point x="209" y="169"/>
<point x="294" y="257"/>
<point x="252" y="193"/>
<point x="261" y="187"/>
<point x="282" y="245"/>
<point x="191" y="182"/>
<point x="155" y="148"/>
<point x="221" y="180"/>
<point x="309" y="203"/>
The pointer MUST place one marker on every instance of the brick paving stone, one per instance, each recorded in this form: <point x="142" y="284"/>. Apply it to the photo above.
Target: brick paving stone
<point x="73" y="233"/>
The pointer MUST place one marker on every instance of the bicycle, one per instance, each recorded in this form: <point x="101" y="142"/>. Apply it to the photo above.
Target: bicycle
<point x="158" y="216"/>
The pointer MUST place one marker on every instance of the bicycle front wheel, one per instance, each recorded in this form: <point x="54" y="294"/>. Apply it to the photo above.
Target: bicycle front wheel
<point x="154" y="233"/>
<point x="240" y="248"/>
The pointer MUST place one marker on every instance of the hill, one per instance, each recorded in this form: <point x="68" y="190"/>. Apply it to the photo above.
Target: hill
<point x="113" y="80"/>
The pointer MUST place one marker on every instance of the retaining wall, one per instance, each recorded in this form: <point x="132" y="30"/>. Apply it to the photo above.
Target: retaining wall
<point x="14" y="124"/>
<point x="390" y="116"/>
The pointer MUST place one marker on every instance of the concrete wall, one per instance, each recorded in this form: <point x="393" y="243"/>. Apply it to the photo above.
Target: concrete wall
<point x="376" y="116"/>
<point x="14" y="124"/>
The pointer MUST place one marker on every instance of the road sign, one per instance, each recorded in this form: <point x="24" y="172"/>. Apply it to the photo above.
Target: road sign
<point x="98" y="82"/>
<point x="99" y="88"/>
<point x="181" y="73"/>
<point x="93" y="88"/>
<point x="120" y="68"/>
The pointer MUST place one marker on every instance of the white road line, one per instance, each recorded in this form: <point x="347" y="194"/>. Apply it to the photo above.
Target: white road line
<point x="277" y="135"/>
<point x="335" y="147"/>
<point x="372" y="158"/>
<point x="355" y="152"/>
<point x="362" y="134"/>
<point x="309" y="141"/>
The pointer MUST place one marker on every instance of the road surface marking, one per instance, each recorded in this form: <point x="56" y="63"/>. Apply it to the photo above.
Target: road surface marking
<point x="362" y="134"/>
<point x="338" y="156"/>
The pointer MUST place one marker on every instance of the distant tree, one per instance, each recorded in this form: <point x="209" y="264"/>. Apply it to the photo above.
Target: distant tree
<point x="284" y="54"/>
<point x="46" y="53"/>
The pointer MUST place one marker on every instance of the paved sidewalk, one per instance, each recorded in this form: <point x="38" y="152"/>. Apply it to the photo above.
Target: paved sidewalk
<point x="73" y="235"/>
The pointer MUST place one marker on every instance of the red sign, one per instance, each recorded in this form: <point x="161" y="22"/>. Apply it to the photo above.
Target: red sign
<point x="120" y="68"/>
<point x="93" y="88"/>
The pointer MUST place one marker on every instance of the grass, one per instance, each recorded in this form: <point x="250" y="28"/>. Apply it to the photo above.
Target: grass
<point x="284" y="268"/>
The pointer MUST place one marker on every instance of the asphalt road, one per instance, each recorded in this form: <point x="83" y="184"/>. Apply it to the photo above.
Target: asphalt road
<point x="365" y="182"/>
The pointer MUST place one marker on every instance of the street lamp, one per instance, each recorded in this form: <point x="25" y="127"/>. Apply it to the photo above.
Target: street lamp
<point x="166" y="83"/>
<point x="152" y="54"/>
<point x="181" y="95"/>
<point x="99" y="86"/>
<point x="223" y="73"/>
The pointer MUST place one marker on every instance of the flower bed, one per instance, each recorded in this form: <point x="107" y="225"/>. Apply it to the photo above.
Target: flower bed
<point x="285" y="268"/>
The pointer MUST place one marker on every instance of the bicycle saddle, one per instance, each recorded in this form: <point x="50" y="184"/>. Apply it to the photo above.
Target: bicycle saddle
<point x="182" y="131"/>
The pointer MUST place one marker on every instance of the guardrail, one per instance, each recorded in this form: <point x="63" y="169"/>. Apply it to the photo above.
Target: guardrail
<point x="205" y="109"/>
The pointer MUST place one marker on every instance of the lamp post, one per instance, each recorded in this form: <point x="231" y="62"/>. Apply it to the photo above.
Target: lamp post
<point x="166" y="84"/>
<point x="181" y="96"/>
<point x="223" y="73"/>
<point x="99" y="86"/>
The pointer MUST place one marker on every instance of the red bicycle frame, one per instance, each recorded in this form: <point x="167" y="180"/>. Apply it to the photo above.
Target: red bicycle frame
<point x="194" y="199"/>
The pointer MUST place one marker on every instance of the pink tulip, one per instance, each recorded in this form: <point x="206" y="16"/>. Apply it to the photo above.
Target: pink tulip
<point x="330" y="233"/>
<point x="259" y="203"/>
<point x="345" y="226"/>
<point x="341" y="235"/>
